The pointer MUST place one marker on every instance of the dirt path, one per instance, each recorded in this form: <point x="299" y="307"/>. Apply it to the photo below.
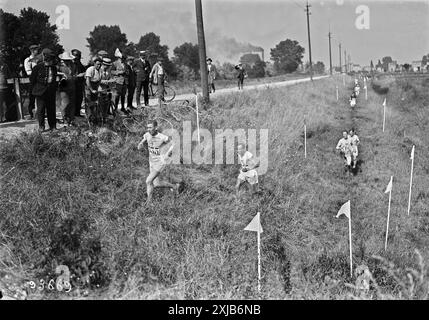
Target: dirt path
<point x="11" y="129"/>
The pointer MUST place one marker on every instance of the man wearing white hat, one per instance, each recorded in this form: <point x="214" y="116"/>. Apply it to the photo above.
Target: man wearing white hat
<point x="67" y="88"/>
<point x="118" y="71"/>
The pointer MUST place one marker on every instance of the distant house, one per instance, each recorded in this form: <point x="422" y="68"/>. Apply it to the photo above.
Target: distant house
<point x="379" y="67"/>
<point x="391" y="66"/>
<point x="356" y="68"/>
<point x="416" y="65"/>
<point x="366" y="68"/>
<point x="259" y="52"/>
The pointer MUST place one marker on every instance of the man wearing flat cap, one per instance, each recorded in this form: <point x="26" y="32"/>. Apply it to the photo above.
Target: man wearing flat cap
<point x="44" y="84"/>
<point x="78" y="74"/>
<point x="211" y="70"/>
<point x="29" y="63"/>
<point x="142" y="69"/>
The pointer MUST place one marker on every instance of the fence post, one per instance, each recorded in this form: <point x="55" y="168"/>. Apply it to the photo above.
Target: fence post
<point x="18" y="99"/>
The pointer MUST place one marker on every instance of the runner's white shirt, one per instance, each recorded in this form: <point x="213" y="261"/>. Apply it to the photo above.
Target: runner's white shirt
<point x="354" y="140"/>
<point x="344" y="145"/>
<point x="244" y="160"/>
<point x="154" y="143"/>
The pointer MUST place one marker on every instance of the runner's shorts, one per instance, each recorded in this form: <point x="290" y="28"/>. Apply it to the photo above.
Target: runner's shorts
<point x="352" y="102"/>
<point x="157" y="166"/>
<point x="250" y="176"/>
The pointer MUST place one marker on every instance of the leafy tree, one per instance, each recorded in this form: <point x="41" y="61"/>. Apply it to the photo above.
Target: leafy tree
<point x="130" y="50"/>
<point x="287" y="56"/>
<point x="106" y="38"/>
<point x="185" y="73"/>
<point x="152" y="43"/>
<point x="407" y="66"/>
<point x="187" y="54"/>
<point x="250" y="59"/>
<point x="319" y="67"/>
<point x="255" y="66"/>
<point x="226" y="71"/>
<point x="19" y="33"/>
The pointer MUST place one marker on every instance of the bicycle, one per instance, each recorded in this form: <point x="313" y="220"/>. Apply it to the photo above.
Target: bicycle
<point x="169" y="93"/>
<point x="93" y="118"/>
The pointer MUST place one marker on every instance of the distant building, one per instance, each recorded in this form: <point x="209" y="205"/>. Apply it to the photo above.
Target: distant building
<point x="391" y="66"/>
<point x="416" y="65"/>
<point x="366" y="68"/>
<point x="259" y="52"/>
<point x="356" y="68"/>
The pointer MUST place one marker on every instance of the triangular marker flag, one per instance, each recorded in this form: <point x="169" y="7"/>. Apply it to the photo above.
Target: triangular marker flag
<point x="254" y="225"/>
<point x="389" y="186"/>
<point x="384" y="103"/>
<point x="345" y="209"/>
<point x="118" y="53"/>
<point x="412" y="154"/>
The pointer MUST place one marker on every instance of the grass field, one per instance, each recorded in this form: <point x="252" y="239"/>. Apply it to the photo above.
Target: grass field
<point x="68" y="203"/>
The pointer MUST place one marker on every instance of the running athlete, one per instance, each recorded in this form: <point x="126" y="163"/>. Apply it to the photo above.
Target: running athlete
<point x="345" y="149"/>
<point x="247" y="171"/>
<point x="157" y="161"/>
<point x="354" y="142"/>
<point x="353" y="99"/>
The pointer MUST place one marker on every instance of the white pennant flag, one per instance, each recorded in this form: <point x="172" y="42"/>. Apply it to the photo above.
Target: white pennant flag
<point x="412" y="154"/>
<point x="255" y="224"/>
<point x="389" y="186"/>
<point x="345" y="209"/>
<point x="384" y="103"/>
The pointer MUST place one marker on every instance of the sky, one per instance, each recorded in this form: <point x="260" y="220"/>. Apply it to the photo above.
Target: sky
<point x="399" y="29"/>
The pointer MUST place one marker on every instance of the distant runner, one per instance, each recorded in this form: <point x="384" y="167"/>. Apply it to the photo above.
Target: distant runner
<point x="345" y="148"/>
<point x="354" y="142"/>
<point x="157" y="161"/>
<point x="247" y="171"/>
<point x="352" y="99"/>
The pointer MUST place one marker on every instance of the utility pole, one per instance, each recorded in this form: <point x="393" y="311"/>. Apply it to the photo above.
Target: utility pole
<point x="341" y="66"/>
<point x="202" y="50"/>
<point x="309" y="41"/>
<point x="350" y="62"/>
<point x="345" y="61"/>
<point x="330" y="56"/>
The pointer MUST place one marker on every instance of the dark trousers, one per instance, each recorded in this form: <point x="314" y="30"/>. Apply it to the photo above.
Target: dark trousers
<point x="130" y="95"/>
<point x="212" y="87"/>
<point x="78" y="98"/>
<point x="32" y="103"/>
<point x="121" y="90"/>
<point x="46" y="104"/>
<point x="240" y="83"/>
<point x="145" y="85"/>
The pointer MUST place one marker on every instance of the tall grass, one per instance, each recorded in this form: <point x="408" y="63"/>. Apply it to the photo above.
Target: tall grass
<point x="71" y="202"/>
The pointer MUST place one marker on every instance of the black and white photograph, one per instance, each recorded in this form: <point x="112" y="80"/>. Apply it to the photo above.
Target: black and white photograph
<point x="194" y="151"/>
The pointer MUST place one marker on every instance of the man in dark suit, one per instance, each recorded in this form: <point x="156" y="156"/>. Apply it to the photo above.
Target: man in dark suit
<point x="130" y="81"/>
<point x="78" y="74"/>
<point x="44" y="83"/>
<point x="142" y="69"/>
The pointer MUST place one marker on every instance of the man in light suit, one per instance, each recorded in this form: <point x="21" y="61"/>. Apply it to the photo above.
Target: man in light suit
<point x="211" y="70"/>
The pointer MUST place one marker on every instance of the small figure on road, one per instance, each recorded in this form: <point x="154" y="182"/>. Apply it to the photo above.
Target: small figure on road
<point x="240" y="75"/>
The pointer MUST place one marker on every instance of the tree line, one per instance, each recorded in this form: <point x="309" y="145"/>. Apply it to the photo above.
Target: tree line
<point x="33" y="27"/>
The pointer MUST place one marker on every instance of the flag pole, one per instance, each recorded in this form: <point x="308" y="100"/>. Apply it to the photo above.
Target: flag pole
<point x="336" y="87"/>
<point x="350" y="243"/>
<point x="198" y="118"/>
<point x="388" y="216"/>
<point x="305" y="137"/>
<point x="411" y="180"/>
<point x="259" y="260"/>
<point x="384" y="114"/>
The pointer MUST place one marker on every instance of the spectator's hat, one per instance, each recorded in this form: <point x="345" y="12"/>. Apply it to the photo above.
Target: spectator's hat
<point x="209" y="59"/>
<point x="107" y="62"/>
<point x="65" y="56"/>
<point x="76" y="53"/>
<point x="102" y="53"/>
<point x="34" y="46"/>
<point x="142" y="52"/>
<point x="48" y="53"/>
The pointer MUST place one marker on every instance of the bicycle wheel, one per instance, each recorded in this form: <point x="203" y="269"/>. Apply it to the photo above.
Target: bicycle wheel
<point x="169" y="94"/>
